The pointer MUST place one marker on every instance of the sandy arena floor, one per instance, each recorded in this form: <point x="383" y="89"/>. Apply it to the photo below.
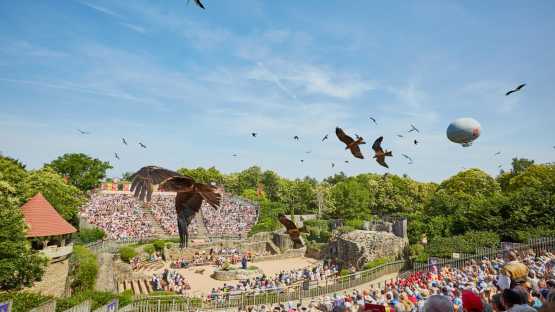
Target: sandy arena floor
<point x="203" y="283"/>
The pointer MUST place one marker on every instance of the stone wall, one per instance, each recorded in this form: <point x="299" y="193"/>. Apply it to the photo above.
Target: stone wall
<point x="398" y="227"/>
<point x="359" y="247"/>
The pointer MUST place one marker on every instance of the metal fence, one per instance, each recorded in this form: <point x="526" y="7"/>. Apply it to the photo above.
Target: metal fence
<point x="296" y="292"/>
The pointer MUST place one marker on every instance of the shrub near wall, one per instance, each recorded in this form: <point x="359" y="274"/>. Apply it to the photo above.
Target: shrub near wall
<point x="126" y="253"/>
<point x="86" y="236"/>
<point x="85" y="270"/>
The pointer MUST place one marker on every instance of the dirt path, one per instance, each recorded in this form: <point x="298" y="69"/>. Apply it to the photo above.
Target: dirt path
<point x="105" y="276"/>
<point x="53" y="281"/>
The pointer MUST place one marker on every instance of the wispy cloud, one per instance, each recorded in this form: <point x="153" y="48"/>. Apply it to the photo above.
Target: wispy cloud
<point x="133" y="27"/>
<point x="101" y="9"/>
<point x="71" y="87"/>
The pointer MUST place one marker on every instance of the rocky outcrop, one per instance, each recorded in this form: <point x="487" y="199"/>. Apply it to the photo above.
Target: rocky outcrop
<point x="235" y="274"/>
<point x="358" y="247"/>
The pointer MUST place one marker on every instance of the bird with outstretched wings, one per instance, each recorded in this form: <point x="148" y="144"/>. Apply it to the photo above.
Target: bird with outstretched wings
<point x="189" y="196"/>
<point x="515" y="89"/>
<point x="351" y="144"/>
<point x="379" y="152"/>
<point x="292" y="230"/>
<point x="325" y="138"/>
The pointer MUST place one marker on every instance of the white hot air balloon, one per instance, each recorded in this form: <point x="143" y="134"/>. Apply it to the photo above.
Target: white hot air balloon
<point x="463" y="131"/>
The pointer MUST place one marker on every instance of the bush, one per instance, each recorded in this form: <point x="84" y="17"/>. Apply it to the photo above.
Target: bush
<point x="85" y="270"/>
<point x="467" y="243"/>
<point x="538" y="232"/>
<point x="159" y="245"/>
<point x="345" y="229"/>
<point x="24" y="301"/>
<point x="344" y="272"/>
<point x="98" y="299"/>
<point x="86" y="236"/>
<point x="252" y="268"/>
<point x="355" y="223"/>
<point x="126" y="253"/>
<point x="375" y="263"/>
<point x="149" y="249"/>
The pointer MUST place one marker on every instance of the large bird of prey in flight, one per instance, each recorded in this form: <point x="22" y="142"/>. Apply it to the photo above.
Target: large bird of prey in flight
<point x="351" y="144"/>
<point x="379" y="152"/>
<point x="189" y="196"/>
<point x="292" y="230"/>
<point x="515" y="89"/>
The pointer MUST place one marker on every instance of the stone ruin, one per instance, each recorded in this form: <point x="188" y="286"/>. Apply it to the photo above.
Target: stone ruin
<point x="360" y="246"/>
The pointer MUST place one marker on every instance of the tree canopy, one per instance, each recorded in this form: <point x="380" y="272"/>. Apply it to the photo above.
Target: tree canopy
<point x="83" y="171"/>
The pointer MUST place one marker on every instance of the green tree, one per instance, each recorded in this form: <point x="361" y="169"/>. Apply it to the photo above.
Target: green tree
<point x="351" y="200"/>
<point x="336" y="178"/>
<point x="11" y="170"/>
<point x="83" y="171"/>
<point x="520" y="165"/>
<point x="64" y="197"/>
<point x="19" y="265"/>
<point x="203" y="175"/>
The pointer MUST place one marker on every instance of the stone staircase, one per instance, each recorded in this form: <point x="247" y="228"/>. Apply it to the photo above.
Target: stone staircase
<point x="157" y="229"/>
<point x="138" y="287"/>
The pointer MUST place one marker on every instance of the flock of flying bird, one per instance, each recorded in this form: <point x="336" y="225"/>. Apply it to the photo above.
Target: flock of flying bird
<point x="123" y="140"/>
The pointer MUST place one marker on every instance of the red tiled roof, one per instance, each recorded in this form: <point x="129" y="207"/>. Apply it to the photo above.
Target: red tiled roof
<point x="43" y="220"/>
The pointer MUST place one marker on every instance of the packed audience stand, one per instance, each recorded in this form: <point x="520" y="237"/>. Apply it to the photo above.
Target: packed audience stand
<point x="122" y="216"/>
<point x="518" y="284"/>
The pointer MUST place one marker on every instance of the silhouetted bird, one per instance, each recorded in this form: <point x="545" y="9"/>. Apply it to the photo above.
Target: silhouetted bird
<point x="346" y="161"/>
<point x="415" y="142"/>
<point x="351" y="144"/>
<point x="400" y="135"/>
<point x="380" y="154"/>
<point x="142" y="145"/>
<point x="198" y="3"/>
<point x="302" y="160"/>
<point x="332" y="165"/>
<point x="123" y="141"/>
<point x="413" y="128"/>
<point x="116" y="155"/>
<point x="498" y="153"/>
<point x="234" y="155"/>
<point x="308" y="152"/>
<point x="83" y="132"/>
<point x="516" y="89"/>
<point x="296" y="137"/>
<point x="325" y="138"/>
<point x="189" y="196"/>
<point x="407" y="157"/>
<point x="373" y="119"/>
<point x="254" y="134"/>
<point x="292" y="230"/>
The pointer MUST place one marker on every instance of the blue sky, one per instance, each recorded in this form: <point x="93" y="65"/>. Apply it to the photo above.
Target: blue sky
<point x="192" y="84"/>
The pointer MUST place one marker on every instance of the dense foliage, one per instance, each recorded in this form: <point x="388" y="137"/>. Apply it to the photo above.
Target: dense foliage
<point x="85" y="269"/>
<point x="82" y="171"/>
<point x="98" y="299"/>
<point x="86" y="236"/>
<point x="24" y="301"/>
<point x="19" y="265"/>
<point x="509" y="205"/>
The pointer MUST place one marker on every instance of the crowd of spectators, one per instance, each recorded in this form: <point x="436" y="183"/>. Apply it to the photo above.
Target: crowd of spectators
<point x="236" y="216"/>
<point x="216" y="257"/>
<point x="519" y="284"/>
<point x="276" y="283"/>
<point x="120" y="215"/>
<point x="170" y="281"/>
